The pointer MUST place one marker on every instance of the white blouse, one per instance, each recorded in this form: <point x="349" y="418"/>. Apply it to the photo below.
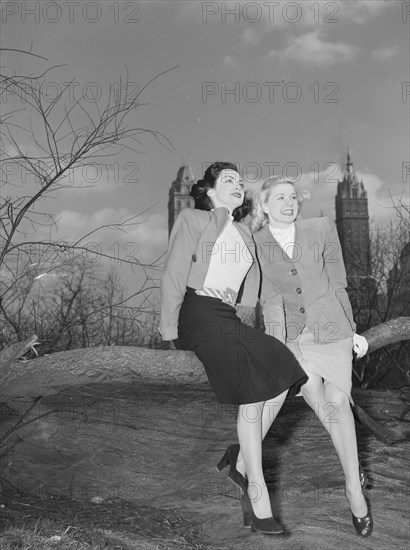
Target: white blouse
<point x="285" y="238"/>
<point x="230" y="260"/>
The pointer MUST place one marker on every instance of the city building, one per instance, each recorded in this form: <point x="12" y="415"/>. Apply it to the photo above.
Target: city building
<point x="179" y="197"/>
<point x="352" y="222"/>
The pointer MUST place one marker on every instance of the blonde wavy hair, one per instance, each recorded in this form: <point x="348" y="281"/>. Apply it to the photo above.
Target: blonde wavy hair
<point x="259" y="218"/>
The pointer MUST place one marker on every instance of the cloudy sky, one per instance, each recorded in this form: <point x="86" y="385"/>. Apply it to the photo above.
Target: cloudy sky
<point x="278" y="87"/>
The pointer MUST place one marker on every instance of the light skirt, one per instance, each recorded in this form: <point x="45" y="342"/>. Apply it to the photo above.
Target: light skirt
<point x="331" y="361"/>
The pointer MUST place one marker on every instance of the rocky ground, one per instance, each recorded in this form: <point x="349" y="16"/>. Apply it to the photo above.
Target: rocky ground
<point x="133" y="466"/>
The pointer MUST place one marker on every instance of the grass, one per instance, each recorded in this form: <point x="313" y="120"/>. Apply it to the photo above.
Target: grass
<point x="47" y="535"/>
<point x="74" y="525"/>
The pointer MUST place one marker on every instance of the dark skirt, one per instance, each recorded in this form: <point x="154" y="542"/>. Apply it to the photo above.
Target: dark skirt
<point x="243" y="364"/>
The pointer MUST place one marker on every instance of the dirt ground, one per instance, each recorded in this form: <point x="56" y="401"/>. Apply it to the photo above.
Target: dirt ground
<point x="133" y="466"/>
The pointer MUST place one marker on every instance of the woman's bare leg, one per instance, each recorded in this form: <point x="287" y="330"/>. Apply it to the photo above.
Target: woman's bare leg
<point x="270" y="411"/>
<point x="343" y="433"/>
<point x="332" y="407"/>
<point x="249" y="428"/>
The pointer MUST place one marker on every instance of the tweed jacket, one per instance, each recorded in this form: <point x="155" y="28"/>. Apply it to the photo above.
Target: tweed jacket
<point x="307" y="290"/>
<point x="189" y="253"/>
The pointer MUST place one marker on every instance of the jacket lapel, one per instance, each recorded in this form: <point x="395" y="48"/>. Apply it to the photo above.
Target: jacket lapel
<point x="220" y="215"/>
<point x="217" y="222"/>
<point x="298" y="240"/>
<point x="296" y="244"/>
<point x="247" y="239"/>
<point x="267" y="236"/>
<point x="276" y="254"/>
<point x="301" y="242"/>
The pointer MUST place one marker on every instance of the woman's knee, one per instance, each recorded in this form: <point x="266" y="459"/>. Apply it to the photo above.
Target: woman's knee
<point x="312" y="390"/>
<point x="338" y="398"/>
<point x="251" y="412"/>
<point x="279" y="399"/>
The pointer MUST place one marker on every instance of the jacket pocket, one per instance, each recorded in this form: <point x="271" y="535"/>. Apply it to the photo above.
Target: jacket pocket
<point x="327" y="320"/>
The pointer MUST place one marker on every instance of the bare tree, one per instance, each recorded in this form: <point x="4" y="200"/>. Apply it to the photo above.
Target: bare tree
<point x="383" y="295"/>
<point x="80" y="305"/>
<point x="48" y="140"/>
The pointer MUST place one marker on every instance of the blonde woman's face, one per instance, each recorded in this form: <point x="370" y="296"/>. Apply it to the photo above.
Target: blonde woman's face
<point x="282" y="205"/>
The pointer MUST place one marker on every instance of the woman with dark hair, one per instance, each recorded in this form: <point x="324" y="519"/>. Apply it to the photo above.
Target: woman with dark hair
<point x="306" y="306"/>
<point x="210" y="254"/>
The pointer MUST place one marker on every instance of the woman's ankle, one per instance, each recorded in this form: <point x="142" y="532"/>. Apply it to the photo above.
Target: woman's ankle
<point x="259" y="496"/>
<point x="240" y="465"/>
<point x="357" y="502"/>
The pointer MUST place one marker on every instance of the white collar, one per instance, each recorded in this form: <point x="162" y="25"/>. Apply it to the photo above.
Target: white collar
<point x="280" y="231"/>
<point x="230" y="217"/>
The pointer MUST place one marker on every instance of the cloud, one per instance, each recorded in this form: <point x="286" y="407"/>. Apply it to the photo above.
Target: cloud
<point x="387" y="52"/>
<point x="151" y="237"/>
<point x="322" y="187"/>
<point x="275" y="17"/>
<point x="320" y="15"/>
<point x="364" y="10"/>
<point x="253" y="35"/>
<point x="227" y="60"/>
<point x="72" y="224"/>
<point x="311" y="49"/>
<point x="380" y="195"/>
<point x="187" y="11"/>
<point x="143" y="237"/>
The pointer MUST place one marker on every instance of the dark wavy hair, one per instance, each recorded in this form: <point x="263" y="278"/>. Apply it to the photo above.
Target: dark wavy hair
<point x="199" y="190"/>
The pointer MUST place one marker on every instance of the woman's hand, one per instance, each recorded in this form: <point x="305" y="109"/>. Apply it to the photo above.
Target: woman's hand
<point x="175" y="344"/>
<point x="360" y="345"/>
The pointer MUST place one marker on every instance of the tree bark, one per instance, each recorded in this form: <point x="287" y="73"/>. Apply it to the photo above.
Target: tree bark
<point x="390" y="332"/>
<point x="383" y="433"/>
<point x="51" y="373"/>
<point x="15" y="352"/>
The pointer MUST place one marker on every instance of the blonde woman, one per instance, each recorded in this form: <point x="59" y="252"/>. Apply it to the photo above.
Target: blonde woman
<point x="306" y="306"/>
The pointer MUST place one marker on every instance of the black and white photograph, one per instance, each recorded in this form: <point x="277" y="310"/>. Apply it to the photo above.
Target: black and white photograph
<point x="204" y="275"/>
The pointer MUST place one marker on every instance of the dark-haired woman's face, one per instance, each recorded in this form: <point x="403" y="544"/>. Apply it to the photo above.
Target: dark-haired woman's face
<point x="228" y="190"/>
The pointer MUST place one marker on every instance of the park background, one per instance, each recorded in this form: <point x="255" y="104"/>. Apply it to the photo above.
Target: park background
<point x="279" y="88"/>
<point x="282" y="87"/>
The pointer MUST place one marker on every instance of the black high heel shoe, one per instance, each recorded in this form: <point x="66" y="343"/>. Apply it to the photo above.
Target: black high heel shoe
<point x="266" y="525"/>
<point x="363" y="526"/>
<point x="229" y="459"/>
<point x="364" y="480"/>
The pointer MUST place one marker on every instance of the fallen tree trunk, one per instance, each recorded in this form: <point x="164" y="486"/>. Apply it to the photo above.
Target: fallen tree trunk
<point x="15" y="352"/>
<point x="383" y="433"/>
<point x="52" y="373"/>
<point x="390" y="332"/>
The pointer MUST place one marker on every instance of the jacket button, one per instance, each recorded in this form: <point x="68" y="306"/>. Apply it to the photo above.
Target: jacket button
<point x="193" y="258"/>
<point x="293" y="272"/>
<point x="299" y="290"/>
<point x="302" y="310"/>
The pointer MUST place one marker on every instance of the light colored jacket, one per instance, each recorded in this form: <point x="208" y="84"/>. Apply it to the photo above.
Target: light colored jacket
<point x="189" y="253"/>
<point x="307" y="290"/>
